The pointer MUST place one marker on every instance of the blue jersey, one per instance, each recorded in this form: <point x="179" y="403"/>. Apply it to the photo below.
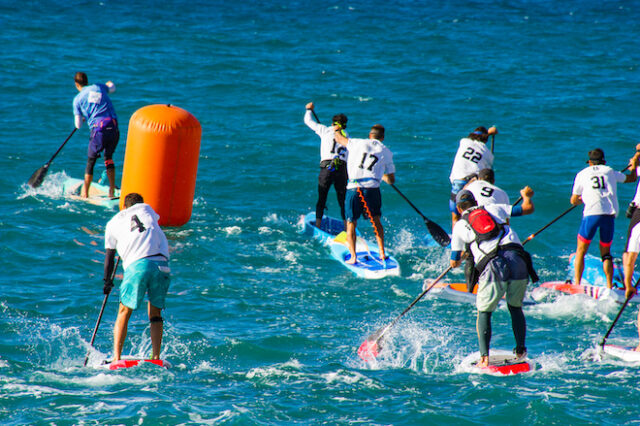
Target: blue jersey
<point x="93" y="104"/>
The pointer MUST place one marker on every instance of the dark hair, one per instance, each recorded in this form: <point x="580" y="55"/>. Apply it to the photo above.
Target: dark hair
<point x="81" y="79"/>
<point x="479" y="134"/>
<point x="487" y="175"/>
<point x="377" y="131"/>
<point x="467" y="204"/>
<point x="132" y="199"/>
<point x="340" y="118"/>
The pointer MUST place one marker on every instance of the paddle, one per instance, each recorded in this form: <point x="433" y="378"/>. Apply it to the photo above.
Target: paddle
<point x="38" y="176"/>
<point x="493" y="142"/>
<point x="624" y="305"/>
<point x="370" y="347"/>
<point x="104" y="303"/>
<point x="436" y="231"/>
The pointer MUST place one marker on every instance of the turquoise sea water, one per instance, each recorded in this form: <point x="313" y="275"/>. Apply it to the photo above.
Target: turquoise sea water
<point x="262" y="326"/>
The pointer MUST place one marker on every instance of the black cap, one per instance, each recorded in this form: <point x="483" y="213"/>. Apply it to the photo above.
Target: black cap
<point x="465" y="195"/>
<point x="596" y="156"/>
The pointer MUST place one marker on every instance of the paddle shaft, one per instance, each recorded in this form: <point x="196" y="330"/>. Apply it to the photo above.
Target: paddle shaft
<point x="493" y="142"/>
<point x="624" y="305"/>
<point x="104" y="304"/>
<point x="439" y="234"/>
<point x="63" y="144"/>
<point x="377" y="336"/>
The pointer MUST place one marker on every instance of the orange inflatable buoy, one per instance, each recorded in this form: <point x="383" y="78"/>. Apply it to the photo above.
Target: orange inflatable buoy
<point x="161" y="161"/>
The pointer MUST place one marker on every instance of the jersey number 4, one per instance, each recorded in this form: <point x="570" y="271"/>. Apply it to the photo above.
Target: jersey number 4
<point x="373" y="159"/>
<point x="472" y="155"/>
<point x="136" y="224"/>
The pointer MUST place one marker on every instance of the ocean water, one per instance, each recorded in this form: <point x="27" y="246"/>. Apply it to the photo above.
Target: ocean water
<point x="261" y="325"/>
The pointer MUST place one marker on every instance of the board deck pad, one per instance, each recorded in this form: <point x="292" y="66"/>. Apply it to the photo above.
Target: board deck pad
<point x="368" y="265"/>
<point x="128" y="363"/>
<point x="98" y="193"/>
<point x="500" y="362"/>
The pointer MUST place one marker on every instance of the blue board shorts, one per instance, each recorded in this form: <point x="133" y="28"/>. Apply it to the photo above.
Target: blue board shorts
<point x="590" y="224"/>
<point x="353" y="206"/>
<point x="104" y="137"/>
<point x="456" y="187"/>
<point x="145" y="276"/>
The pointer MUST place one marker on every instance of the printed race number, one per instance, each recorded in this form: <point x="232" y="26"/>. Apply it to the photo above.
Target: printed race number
<point x="598" y="183"/>
<point x="137" y="224"/>
<point x="372" y="158"/>
<point x="486" y="191"/>
<point x="472" y="155"/>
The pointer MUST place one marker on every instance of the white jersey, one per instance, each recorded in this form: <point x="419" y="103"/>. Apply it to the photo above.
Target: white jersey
<point x="472" y="156"/>
<point x="598" y="187"/>
<point x="633" y="245"/>
<point x="329" y="148"/>
<point x="135" y="234"/>
<point x="368" y="161"/>
<point x="487" y="193"/>
<point x="636" y="197"/>
<point x="463" y="233"/>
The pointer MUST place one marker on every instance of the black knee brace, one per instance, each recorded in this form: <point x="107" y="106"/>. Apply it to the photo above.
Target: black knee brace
<point x="606" y="257"/>
<point x="155" y="319"/>
<point x="90" y="163"/>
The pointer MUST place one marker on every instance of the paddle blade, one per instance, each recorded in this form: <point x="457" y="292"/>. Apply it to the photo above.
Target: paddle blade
<point x="37" y="177"/>
<point x="369" y="350"/>
<point x="438" y="234"/>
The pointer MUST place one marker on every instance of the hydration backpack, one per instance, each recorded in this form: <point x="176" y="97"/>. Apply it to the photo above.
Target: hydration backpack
<point x="483" y="224"/>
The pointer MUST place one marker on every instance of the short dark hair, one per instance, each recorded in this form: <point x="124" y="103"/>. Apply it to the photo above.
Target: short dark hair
<point x="341" y="119"/>
<point x="487" y="175"/>
<point x="479" y="134"/>
<point x="81" y="79"/>
<point x="132" y="199"/>
<point x="377" y="131"/>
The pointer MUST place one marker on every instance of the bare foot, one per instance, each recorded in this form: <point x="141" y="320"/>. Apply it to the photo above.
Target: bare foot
<point x="352" y="260"/>
<point x="484" y="362"/>
<point x="84" y="194"/>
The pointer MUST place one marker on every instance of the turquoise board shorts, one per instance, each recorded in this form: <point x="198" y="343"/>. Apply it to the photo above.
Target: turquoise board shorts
<point x="145" y="276"/>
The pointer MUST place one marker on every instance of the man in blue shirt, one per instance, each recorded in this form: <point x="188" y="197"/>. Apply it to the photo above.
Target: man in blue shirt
<point x="93" y="105"/>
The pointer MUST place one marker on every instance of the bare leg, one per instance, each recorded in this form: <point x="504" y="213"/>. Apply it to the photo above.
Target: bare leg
<point x="156" y="329"/>
<point x="379" y="236"/>
<point x="120" y="330"/>
<point x="351" y="241"/>
<point x="87" y="184"/>
<point x="581" y="250"/>
<point x="607" y="265"/>
<point x="484" y="361"/>
<point x="111" y="175"/>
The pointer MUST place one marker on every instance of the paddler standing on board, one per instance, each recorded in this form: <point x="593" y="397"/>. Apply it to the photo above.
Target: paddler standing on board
<point x="93" y="105"/>
<point x="472" y="156"/>
<point x="135" y="234"/>
<point x="369" y="162"/>
<point x="596" y="186"/>
<point x="485" y="191"/>
<point x="333" y="161"/>
<point x="502" y="265"/>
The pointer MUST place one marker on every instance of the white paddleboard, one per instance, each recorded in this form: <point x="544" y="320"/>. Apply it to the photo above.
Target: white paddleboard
<point x="500" y="362"/>
<point x="625" y="353"/>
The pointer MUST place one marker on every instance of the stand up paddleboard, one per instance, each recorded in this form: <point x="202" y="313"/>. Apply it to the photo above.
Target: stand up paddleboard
<point x="500" y="362"/>
<point x="98" y="193"/>
<point x="368" y="263"/>
<point x="128" y="363"/>
<point x="625" y="353"/>
<point x="457" y="292"/>
<point x="593" y="282"/>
